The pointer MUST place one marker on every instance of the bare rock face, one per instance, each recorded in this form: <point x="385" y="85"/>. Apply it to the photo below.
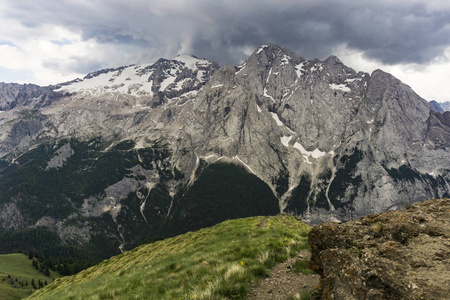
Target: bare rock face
<point x="130" y="151"/>
<point x="14" y="95"/>
<point x="394" y="255"/>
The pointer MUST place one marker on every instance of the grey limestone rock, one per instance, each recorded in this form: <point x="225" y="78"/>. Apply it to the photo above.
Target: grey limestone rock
<point x="61" y="155"/>
<point x="331" y="143"/>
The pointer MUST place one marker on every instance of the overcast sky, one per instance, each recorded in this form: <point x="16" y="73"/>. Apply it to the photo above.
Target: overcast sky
<point x="50" y="41"/>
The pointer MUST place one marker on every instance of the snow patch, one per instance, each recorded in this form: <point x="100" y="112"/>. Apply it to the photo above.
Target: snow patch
<point x="192" y="62"/>
<point x="279" y="123"/>
<point x="340" y="87"/>
<point x="285" y="60"/>
<point x="133" y="79"/>
<point x="200" y="75"/>
<point x="318" y="66"/>
<point x="217" y="86"/>
<point x="285" y="140"/>
<point x="267" y="95"/>
<point x="277" y="120"/>
<point x="168" y="81"/>
<point x="261" y="49"/>
<point x="258" y="108"/>
<point x="179" y="84"/>
<point x="299" y="69"/>
<point x="316" y="153"/>
<point x="268" y="76"/>
<point x="241" y="67"/>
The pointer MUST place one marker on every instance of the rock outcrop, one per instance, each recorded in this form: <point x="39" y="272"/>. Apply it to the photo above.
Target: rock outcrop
<point x="401" y="254"/>
<point x="13" y="95"/>
<point x="182" y="141"/>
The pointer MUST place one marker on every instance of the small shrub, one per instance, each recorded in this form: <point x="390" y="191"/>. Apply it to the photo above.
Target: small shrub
<point x="232" y="288"/>
<point x="378" y="227"/>
<point x="292" y="252"/>
<point x="263" y="257"/>
<point x="274" y="259"/>
<point x="235" y="272"/>
<point x="259" y="270"/>
<point x="301" y="245"/>
<point x="318" y="293"/>
<point x="301" y="266"/>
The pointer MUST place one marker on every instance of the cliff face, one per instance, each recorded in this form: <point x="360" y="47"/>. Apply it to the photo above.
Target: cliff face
<point x="148" y="151"/>
<point x="394" y="255"/>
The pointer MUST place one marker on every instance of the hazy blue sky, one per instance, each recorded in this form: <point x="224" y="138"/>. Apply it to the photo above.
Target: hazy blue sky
<point x="50" y="41"/>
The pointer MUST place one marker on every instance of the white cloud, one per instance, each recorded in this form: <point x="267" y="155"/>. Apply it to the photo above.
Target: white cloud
<point x="429" y="81"/>
<point x="54" y="41"/>
<point x="53" y="53"/>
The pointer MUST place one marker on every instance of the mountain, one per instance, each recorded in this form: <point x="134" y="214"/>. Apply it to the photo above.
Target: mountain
<point x="150" y="151"/>
<point x="436" y="106"/>
<point x="440" y="106"/>
<point x="445" y="105"/>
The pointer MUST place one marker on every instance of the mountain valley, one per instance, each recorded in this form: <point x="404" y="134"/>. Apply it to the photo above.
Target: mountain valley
<point x="139" y="153"/>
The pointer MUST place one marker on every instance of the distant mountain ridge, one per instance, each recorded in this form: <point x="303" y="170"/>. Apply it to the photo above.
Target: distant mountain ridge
<point x="440" y="107"/>
<point x="436" y="106"/>
<point x="142" y="152"/>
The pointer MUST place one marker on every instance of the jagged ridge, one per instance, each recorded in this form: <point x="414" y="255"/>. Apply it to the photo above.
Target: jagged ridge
<point x="316" y="138"/>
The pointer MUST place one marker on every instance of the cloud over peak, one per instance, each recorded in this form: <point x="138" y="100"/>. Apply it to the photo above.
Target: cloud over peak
<point x="74" y="36"/>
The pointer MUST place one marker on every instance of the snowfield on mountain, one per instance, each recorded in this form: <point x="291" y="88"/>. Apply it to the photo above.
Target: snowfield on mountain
<point x="149" y="151"/>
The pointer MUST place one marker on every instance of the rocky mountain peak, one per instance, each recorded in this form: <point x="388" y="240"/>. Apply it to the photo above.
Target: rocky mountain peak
<point x="332" y="59"/>
<point x="381" y="75"/>
<point x="436" y="107"/>
<point x="13" y="95"/>
<point x="317" y="139"/>
<point x="163" y="80"/>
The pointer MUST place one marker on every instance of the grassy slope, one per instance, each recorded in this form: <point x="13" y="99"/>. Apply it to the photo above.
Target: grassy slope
<point x="18" y="266"/>
<point x="219" y="262"/>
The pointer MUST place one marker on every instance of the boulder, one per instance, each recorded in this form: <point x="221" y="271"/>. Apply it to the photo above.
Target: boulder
<point x="402" y="254"/>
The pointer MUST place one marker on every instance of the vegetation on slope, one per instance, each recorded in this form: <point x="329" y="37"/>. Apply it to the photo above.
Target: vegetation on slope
<point x="219" y="262"/>
<point x="68" y="196"/>
<point x="58" y="192"/>
<point x="18" y="276"/>
<point x="222" y="191"/>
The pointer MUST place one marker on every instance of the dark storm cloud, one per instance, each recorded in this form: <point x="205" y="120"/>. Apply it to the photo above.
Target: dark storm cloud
<point x="224" y="31"/>
<point x="401" y="34"/>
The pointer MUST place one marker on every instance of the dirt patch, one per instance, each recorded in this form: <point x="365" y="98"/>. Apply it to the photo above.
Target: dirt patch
<point x="283" y="282"/>
<point x="263" y="223"/>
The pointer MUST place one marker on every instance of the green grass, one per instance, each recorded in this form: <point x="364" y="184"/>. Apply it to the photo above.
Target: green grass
<point x="301" y="266"/>
<point x="219" y="262"/>
<point x="18" y="266"/>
